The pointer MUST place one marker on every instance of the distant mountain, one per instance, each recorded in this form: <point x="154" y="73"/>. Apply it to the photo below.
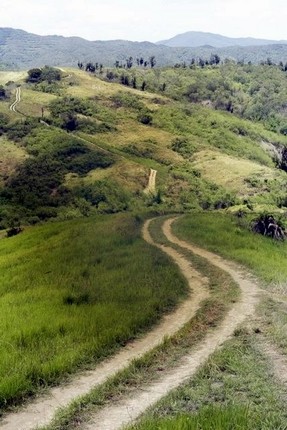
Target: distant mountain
<point x="193" y="39"/>
<point x="22" y="50"/>
<point x="19" y="49"/>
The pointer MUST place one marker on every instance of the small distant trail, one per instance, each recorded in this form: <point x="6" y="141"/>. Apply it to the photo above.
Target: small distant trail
<point x="17" y="101"/>
<point x="151" y="182"/>
<point x="124" y="412"/>
<point x="40" y="412"/>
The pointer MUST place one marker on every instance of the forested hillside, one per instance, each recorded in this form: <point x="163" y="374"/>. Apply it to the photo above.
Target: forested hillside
<point x="22" y="50"/>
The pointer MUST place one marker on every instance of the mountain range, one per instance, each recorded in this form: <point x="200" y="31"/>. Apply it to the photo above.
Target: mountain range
<point x="21" y="50"/>
<point x="193" y="39"/>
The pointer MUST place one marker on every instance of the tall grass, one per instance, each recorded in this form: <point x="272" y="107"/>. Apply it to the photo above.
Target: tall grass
<point x="209" y="418"/>
<point x="223" y="234"/>
<point x="233" y="390"/>
<point x="71" y="292"/>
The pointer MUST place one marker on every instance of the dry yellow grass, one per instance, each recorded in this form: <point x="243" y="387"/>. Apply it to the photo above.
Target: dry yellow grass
<point x="12" y="76"/>
<point x="88" y="85"/>
<point x="230" y="172"/>
<point x="130" y="175"/>
<point x="11" y="156"/>
<point x="33" y="101"/>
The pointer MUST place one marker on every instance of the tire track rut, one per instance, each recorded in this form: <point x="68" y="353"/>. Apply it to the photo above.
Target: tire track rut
<point x="124" y="412"/>
<point x="41" y="411"/>
<point x="17" y="101"/>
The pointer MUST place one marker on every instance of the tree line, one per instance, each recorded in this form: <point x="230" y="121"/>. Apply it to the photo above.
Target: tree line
<point x="126" y="64"/>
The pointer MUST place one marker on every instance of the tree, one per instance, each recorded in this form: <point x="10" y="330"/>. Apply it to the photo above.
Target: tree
<point x="129" y="62"/>
<point x="145" y="117"/>
<point x="110" y="75"/>
<point x="34" y="75"/>
<point x="70" y="122"/>
<point x="152" y="61"/>
<point x="134" y="82"/>
<point x="201" y="62"/>
<point x="269" y="62"/>
<point x="90" y="67"/>
<point x="214" y="59"/>
<point x="2" y="92"/>
<point x="47" y="73"/>
<point x="50" y="74"/>
<point x="143" y="86"/>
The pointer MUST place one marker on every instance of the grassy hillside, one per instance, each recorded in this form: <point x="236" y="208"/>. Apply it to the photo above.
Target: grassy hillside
<point x="73" y="292"/>
<point x="85" y="145"/>
<point x="74" y="168"/>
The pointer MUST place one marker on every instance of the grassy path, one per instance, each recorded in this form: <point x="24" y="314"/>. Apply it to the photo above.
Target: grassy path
<point x="41" y="411"/>
<point x="117" y="415"/>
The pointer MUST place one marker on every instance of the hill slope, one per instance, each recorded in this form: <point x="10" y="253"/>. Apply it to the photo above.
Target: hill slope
<point x="22" y="50"/>
<point x="80" y="148"/>
<point x="199" y="38"/>
<point x="98" y="141"/>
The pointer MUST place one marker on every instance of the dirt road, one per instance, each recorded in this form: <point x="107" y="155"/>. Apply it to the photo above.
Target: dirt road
<point x="151" y="182"/>
<point x="17" y="101"/>
<point x="124" y="412"/>
<point x="41" y="411"/>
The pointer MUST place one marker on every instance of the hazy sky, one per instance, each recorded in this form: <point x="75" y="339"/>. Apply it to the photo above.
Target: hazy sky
<point x="146" y="19"/>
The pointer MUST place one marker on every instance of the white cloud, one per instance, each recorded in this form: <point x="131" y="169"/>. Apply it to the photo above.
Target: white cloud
<point x="146" y="20"/>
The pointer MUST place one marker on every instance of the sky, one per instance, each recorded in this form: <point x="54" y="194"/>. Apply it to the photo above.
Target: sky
<point x="152" y="20"/>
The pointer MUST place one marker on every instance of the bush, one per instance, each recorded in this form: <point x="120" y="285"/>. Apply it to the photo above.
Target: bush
<point x="49" y="74"/>
<point x="106" y="195"/>
<point x="3" y="123"/>
<point x="71" y="106"/>
<point x="127" y="100"/>
<point x="20" y="129"/>
<point x="2" y="92"/>
<point x="145" y="118"/>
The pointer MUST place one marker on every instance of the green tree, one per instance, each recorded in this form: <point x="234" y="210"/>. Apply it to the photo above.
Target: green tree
<point x="2" y="92"/>
<point x="34" y="75"/>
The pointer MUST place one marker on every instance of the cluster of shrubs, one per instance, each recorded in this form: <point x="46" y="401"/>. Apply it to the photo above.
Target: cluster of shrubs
<point x="131" y="101"/>
<point x="49" y="74"/>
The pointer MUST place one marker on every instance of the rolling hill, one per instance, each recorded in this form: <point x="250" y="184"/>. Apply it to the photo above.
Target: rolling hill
<point x="193" y="39"/>
<point x="79" y="282"/>
<point x="21" y="50"/>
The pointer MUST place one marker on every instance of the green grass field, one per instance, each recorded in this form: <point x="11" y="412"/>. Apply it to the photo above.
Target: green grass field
<point x="234" y="390"/>
<point x="224" y="235"/>
<point x="71" y="293"/>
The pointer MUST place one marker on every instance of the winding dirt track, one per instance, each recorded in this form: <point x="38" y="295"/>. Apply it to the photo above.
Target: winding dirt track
<point x="41" y="411"/>
<point x="124" y="412"/>
<point x="17" y="101"/>
<point x="151" y="182"/>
